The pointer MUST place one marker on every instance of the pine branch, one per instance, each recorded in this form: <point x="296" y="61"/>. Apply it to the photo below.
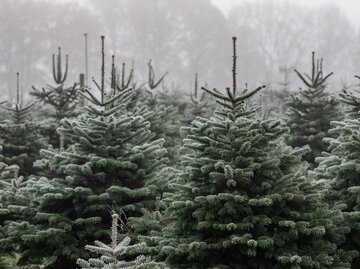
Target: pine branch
<point x="317" y="80"/>
<point x="151" y="79"/>
<point x="57" y="67"/>
<point x="102" y="89"/>
<point x="234" y="66"/>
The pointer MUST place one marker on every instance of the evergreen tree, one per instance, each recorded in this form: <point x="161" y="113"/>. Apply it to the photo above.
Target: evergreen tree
<point x="339" y="168"/>
<point x="15" y="205"/>
<point x="20" y="138"/>
<point x="163" y="116"/>
<point x="9" y="183"/>
<point x="112" y="257"/>
<point x="274" y="99"/>
<point x="3" y="264"/>
<point x="198" y="105"/>
<point x="311" y="111"/>
<point x="111" y="158"/>
<point x="60" y="101"/>
<point x="352" y="100"/>
<point x="284" y="92"/>
<point x="165" y="122"/>
<point x="243" y="200"/>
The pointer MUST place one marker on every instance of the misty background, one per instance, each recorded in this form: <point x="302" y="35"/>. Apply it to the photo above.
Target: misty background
<point x="181" y="37"/>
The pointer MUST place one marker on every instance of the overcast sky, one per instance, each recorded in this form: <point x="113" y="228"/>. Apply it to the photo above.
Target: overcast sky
<point x="350" y="7"/>
<point x="263" y="53"/>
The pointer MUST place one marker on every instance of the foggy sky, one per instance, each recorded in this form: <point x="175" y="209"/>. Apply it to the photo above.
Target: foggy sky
<point x="350" y="7"/>
<point x="182" y="37"/>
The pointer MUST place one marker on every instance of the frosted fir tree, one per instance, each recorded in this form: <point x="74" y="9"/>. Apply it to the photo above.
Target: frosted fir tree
<point x="60" y="101"/>
<point x="3" y="263"/>
<point x="10" y="184"/>
<point x="243" y="200"/>
<point x="111" y="158"/>
<point x="339" y="168"/>
<point x="352" y="100"/>
<point x="274" y="99"/>
<point x="151" y="225"/>
<point x="113" y="256"/>
<point x="311" y="111"/>
<point x="20" y="138"/>
<point x="198" y="105"/>
<point x="16" y="205"/>
<point x="12" y="205"/>
<point x="163" y="115"/>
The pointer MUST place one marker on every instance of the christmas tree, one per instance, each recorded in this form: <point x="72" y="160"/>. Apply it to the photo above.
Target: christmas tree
<point x="112" y="256"/>
<point x="20" y="138"/>
<point x="60" y="101"/>
<point x="9" y="184"/>
<point x="352" y="101"/>
<point x="165" y="122"/>
<point x="198" y="105"/>
<point x="311" y="111"/>
<point x="163" y="115"/>
<point x="111" y="157"/>
<point x="276" y="97"/>
<point x="339" y="168"/>
<point x="243" y="200"/>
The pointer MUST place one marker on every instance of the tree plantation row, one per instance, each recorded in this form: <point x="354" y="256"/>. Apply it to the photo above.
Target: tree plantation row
<point x="131" y="174"/>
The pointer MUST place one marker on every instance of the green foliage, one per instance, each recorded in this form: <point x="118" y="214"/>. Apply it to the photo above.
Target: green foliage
<point x="111" y="157"/>
<point x="59" y="101"/>
<point x="3" y="264"/>
<point x="9" y="183"/>
<point x="311" y="111"/>
<point x="239" y="198"/>
<point x="112" y="256"/>
<point x="199" y="105"/>
<point x="21" y="144"/>
<point x="242" y="198"/>
<point x="352" y="101"/>
<point x="14" y="205"/>
<point x="339" y="168"/>
<point x="163" y="116"/>
<point x="20" y="138"/>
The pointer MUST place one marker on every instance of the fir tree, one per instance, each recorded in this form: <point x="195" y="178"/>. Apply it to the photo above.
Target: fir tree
<point x="164" y="120"/>
<point x="274" y="98"/>
<point x="60" y="101"/>
<point x="111" y="158"/>
<point x="3" y="263"/>
<point x="283" y="93"/>
<point x="311" y="111"/>
<point x="339" y="168"/>
<point x="20" y="138"/>
<point x="199" y="104"/>
<point x="163" y="116"/>
<point x="352" y="100"/>
<point x="15" y="206"/>
<point x="243" y="200"/>
<point x="112" y="257"/>
<point x="9" y="183"/>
